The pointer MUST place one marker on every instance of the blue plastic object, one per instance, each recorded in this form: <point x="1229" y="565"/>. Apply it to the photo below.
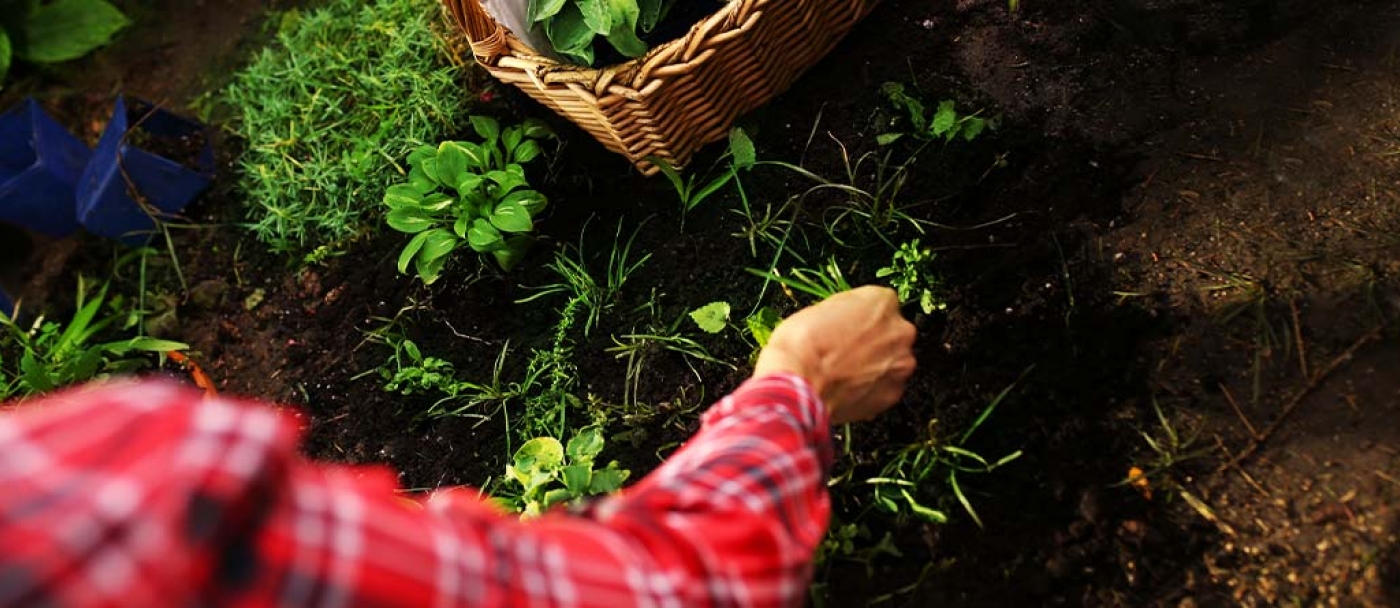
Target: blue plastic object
<point x="40" y="164"/>
<point x="7" y="305"/>
<point x="121" y="173"/>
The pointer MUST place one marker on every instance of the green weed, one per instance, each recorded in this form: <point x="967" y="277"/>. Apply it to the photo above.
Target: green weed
<point x="328" y="110"/>
<point x="911" y="275"/>
<point x="545" y="472"/>
<point x="585" y="291"/>
<point x="920" y="464"/>
<point x="408" y="371"/>
<point x="48" y="355"/>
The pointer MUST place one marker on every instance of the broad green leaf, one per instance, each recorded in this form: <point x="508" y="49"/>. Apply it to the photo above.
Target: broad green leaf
<point x="478" y="156"/>
<point x="482" y="236"/>
<point x="650" y="14"/>
<point x="539" y="10"/>
<point x="402" y="195"/>
<point x="430" y="268"/>
<point x="568" y="32"/>
<point x="512" y="251"/>
<point x="577" y="478"/>
<point x="623" y="35"/>
<point x="540" y="454"/>
<point x="451" y="162"/>
<point x="438" y="243"/>
<point x="469" y="183"/>
<point x="420" y="154"/>
<point x="741" y="149"/>
<point x="66" y="30"/>
<point x="420" y="182"/>
<point x="429" y="167"/>
<point x="556" y="496"/>
<point x="586" y="444"/>
<point x="511" y="140"/>
<point x="533" y="201"/>
<point x="607" y="481"/>
<point x="762" y="323"/>
<point x="596" y="15"/>
<point x="487" y="128"/>
<point x="943" y="119"/>
<point x="527" y="151"/>
<point x="410" y="220"/>
<point x="712" y="317"/>
<point x="436" y="202"/>
<point x="411" y="250"/>
<point x="506" y="180"/>
<point x="460" y="226"/>
<point x="511" y="216"/>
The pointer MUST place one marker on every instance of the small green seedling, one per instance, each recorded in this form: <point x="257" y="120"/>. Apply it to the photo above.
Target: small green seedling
<point x="548" y="473"/>
<point x="762" y="323"/>
<point x="712" y="317"/>
<point x="945" y="122"/>
<point x="911" y="275"/>
<point x="741" y="155"/>
<point x="472" y="193"/>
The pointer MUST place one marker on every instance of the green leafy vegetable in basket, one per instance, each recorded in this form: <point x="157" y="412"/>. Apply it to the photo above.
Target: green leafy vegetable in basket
<point x="469" y="192"/>
<point x="571" y="25"/>
<point x="55" y="31"/>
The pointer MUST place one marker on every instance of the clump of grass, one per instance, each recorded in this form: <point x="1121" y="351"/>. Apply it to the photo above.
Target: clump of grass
<point x="329" y="108"/>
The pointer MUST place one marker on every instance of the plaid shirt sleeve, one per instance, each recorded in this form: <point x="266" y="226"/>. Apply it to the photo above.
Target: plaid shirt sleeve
<point x="147" y="494"/>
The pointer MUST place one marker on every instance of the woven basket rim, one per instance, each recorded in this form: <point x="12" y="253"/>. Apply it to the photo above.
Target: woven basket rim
<point x="630" y="73"/>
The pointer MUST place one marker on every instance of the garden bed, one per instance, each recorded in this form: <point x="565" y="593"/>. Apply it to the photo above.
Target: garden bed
<point x="1184" y="209"/>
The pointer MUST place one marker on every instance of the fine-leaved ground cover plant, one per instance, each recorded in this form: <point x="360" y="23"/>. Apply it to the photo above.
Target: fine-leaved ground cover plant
<point x="468" y="193"/>
<point x="331" y="109"/>
<point x="53" y="32"/>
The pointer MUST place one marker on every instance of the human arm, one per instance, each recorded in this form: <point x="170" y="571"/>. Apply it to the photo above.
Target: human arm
<point x="148" y="495"/>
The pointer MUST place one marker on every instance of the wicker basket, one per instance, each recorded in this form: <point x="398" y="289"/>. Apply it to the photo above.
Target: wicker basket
<point x="682" y="94"/>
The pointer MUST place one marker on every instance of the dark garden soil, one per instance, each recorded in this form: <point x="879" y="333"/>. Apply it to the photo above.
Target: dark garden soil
<point x="1197" y="212"/>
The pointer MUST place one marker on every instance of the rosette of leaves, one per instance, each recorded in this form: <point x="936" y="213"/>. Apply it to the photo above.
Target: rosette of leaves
<point x="549" y="473"/>
<point x="53" y="32"/>
<point x="472" y="193"/>
<point x="944" y="123"/>
<point x="572" y="25"/>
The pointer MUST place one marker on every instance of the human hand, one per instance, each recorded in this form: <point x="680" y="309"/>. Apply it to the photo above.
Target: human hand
<point x="854" y="348"/>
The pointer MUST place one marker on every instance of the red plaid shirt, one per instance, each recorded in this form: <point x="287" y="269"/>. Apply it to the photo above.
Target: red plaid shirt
<point x="152" y="495"/>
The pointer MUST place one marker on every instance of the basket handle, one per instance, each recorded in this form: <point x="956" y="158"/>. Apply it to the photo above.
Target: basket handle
<point x="487" y="38"/>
